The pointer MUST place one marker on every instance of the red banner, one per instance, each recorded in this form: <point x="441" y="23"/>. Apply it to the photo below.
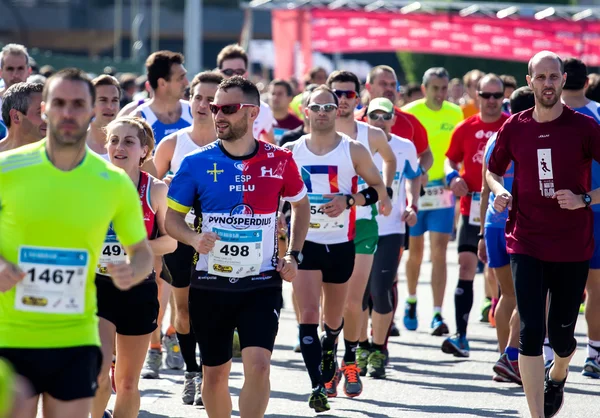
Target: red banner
<point x="516" y="39"/>
<point x="291" y="37"/>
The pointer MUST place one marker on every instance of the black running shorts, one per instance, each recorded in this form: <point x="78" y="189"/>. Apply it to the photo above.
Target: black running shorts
<point x="215" y="314"/>
<point x="336" y="261"/>
<point x="66" y="374"/>
<point x="180" y="264"/>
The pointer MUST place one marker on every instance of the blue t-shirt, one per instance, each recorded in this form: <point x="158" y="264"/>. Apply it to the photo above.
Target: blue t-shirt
<point x="162" y="130"/>
<point x="593" y="109"/>
<point x="494" y="219"/>
<point x="3" y="130"/>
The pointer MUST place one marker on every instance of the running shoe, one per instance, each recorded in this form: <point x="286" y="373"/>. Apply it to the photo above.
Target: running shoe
<point x="582" y="309"/>
<point x="329" y="365"/>
<point x="457" y="345"/>
<point x="376" y="366"/>
<point x="107" y="414"/>
<point x="331" y="387"/>
<point x="553" y="395"/>
<point x="237" y="350"/>
<point x="352" y="383"/>
<point x="508" y="369"/>
<point x="318" y="400"/>
<point x="492" y="317"/>
<point x="112" y="376"/>
<point x="394" y="331"/>
<point x="362" y="360"/>
<point x="198" y="388"/>
<point x="411" y="322"/>
<point x="485" y="310"/>
<point x="189" y="388"/>
<point x="152" y="365"/>
<point x="591" y="368"/>
<point x="438" y="326"/>
<point x="500" y="379"/>
<point x="174" y="358"/>
<point x="548" y="364"/>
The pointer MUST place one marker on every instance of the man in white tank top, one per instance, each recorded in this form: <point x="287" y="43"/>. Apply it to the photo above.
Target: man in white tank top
<point x="106" y="107"/>
<point x="167" y="159"/>
<point x="330" y="164"/>
<point x="346" y="87"/>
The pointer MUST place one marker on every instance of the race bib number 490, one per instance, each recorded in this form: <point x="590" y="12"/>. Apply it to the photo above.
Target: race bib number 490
<point x="55" y="280"/>
<point x="319" y="220"/>
<point x="236" y="253"/>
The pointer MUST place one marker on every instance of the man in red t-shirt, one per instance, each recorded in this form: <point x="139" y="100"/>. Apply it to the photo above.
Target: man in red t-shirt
<point x="467" y="147"/>
<point x="280" y="97"/>
<point x="382" y="82"/>
<point x="549" y="232"/>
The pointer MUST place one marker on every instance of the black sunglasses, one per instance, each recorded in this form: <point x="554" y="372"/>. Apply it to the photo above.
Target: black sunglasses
<point x="486" y="95"/>
<point x="350" y="94"/>
<point x="230" y="71"/>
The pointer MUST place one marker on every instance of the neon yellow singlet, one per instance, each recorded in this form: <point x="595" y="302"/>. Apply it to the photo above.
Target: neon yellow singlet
<point x="7" y="383"/>
<point x="53" y="224"/>
<point x="439" y="125"/>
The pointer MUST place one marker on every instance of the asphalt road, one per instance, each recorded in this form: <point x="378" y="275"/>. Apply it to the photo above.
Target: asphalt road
<point x="422" y="381"/>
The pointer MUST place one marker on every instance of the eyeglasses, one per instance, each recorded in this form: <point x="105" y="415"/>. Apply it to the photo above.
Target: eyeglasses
<point x="486" y="95"/>
<point x="327" y="107"/>
<point x="229" y="109"/>
<point x="382" y="116"/>
<point x="350" y="94"/>
<point x="230" y="71"/>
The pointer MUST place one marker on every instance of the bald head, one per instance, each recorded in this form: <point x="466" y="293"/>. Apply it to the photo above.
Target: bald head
<point x="541" y="57"/>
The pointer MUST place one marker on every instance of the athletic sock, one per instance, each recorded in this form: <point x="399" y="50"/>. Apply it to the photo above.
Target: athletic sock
<point x="512" y="353"/>
<point x="437" y="310"/>
<point x="350" y="353"/>
<point x="187" y="343"/>
<point x="311" y="352"/>
<point x="411" y="299"/>
<point x="377" y="347"/>
<point x="330" y="337"/>
<point x="171" y="330"/>
<point x="463" y="302"/>
<point x="365" y="345"/>
<point x="548" y="353"/>
<point x="593" y="349"/>
<point x="157" y="347"/>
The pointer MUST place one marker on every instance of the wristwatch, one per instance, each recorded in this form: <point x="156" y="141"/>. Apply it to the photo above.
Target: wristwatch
<point x="297" y="256"/>
<point x="587" y="200"/>
<point x="349" y="201"/>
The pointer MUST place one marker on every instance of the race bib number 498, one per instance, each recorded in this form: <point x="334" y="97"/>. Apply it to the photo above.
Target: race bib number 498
<point x="55" y="280"/>
<point x="236" y="253"/>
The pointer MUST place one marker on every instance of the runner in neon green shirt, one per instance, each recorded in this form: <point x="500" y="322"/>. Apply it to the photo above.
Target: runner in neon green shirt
<point x="57" y="200"/>
<point x="436" y="206"/>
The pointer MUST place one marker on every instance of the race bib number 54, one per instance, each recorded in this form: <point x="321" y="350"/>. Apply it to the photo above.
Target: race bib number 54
<point x="55" y="280"/>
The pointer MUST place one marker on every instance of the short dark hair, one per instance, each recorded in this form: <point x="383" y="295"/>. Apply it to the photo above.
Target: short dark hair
<point x="249" y="89"/>
<point x="70" y="74"/>
<point x="107" y="80"/>
<point x="411" y="88"/>
<point x="323" y="87"/>
<point x="282" y="83"/>
<point x="212" y="77"/>
<point x="439" y="72"/>
<point x="342" y="76"/>
<point x="521" y="99"/>
<point x="158" y="65"/>
<point x="593" y="90"/>
<point x="509" y="81"/>
<point x="314" y="71"/>
<point x="230" y="52"/>
<point x="18" y="97"/>
<point x="490" y="77"/>
<point x="576" y="74"/>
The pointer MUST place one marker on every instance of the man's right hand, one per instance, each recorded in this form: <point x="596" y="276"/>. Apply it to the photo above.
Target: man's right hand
<point x="10" y="275"/>
<point x="503" y="201"/>
<point x="459" y="187"/>
<point x="204" y="242"/>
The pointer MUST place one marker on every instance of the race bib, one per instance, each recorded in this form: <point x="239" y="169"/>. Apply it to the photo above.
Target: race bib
<point x="236" y="253"/>
<point x="362" y="184"/>
<point x="436" y="197"/>
<point x="474" y="213"/>
<point x="190" y="218"/>
<point x="55" y="280"/>
<point x="319" y="220"/>
<point x="112" y="253"/>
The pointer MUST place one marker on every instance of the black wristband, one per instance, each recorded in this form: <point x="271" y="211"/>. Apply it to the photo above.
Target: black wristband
<point x="371" y="196"/>
<point x="479" y="236"/>
<point x="390" y="192"/>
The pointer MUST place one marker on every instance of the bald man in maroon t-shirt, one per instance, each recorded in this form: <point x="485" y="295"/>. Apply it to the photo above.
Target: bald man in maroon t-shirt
<point x="549" y="232"/>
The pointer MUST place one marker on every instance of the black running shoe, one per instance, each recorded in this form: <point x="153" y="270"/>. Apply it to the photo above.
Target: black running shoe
<point x="553" y="395"/>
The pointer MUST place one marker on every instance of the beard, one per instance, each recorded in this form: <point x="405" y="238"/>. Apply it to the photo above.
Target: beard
<point x="345" y="113"/>
<point x="235" y="131"/>
<point x="546" y="102"/>
<point x="69" y="140"/>
<point x="322" y="128"/>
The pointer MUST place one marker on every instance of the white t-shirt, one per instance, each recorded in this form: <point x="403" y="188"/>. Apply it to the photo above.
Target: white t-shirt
<point x="265" y="120"/>
<point x="407" y="167"/>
